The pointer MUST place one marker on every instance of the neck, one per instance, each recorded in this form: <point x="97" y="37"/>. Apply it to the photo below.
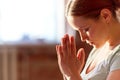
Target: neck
<point x="112" y="45"/>
<point x="114" y="39"/>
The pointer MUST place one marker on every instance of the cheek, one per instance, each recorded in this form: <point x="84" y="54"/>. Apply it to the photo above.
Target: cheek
<point x="98" y="34"/>
<point x="94" y="34"/>
<point x="91" y="33"/>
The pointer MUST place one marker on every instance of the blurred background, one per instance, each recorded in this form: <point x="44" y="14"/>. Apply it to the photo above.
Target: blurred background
<point x="29" y="32"/>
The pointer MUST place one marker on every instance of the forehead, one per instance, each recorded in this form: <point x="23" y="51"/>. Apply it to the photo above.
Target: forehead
<point x="77" y="22"/>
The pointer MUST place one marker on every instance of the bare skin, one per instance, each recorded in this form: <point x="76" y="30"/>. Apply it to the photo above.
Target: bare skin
<point x="70" y="62"/>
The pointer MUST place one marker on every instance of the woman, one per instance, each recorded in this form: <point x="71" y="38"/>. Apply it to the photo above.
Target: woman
<point x="98" y="24"/>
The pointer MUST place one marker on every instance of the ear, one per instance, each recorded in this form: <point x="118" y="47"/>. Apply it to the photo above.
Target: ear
<point x="106" y="15"/>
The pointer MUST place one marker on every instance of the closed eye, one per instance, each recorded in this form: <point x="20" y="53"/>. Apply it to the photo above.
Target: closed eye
<point x="87" y="29"/>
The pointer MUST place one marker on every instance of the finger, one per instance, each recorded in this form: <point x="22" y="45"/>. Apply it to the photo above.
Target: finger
<point x="59" y="51"/>
<point x="81" y="55"/>
<point x="67" y="41"/>
<point x="64" y="45"/>
<point x="81" y="58"/>
<point x="73" y="45"/>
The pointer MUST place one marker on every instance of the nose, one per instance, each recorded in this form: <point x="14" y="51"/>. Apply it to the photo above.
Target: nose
<point x="83" y="36"/>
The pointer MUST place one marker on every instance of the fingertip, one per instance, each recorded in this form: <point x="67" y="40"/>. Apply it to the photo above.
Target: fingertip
<point x="66" y="35"/>
<point x="81" y="51"/>
<point x="72" y="38"/>
<point x="56" y="47"/>
<point x="79" y="55"/>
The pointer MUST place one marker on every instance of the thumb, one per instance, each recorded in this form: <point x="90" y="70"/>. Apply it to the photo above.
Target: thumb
<point x="81" y="55"/>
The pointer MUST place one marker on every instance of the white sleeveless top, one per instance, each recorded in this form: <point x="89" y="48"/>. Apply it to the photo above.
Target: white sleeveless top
<point x="101" y="70"/>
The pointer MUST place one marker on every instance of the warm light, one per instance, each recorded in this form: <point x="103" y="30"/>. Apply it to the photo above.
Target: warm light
<point x="32" y="19"/>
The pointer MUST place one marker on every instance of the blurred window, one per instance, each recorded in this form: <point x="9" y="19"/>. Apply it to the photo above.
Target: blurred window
<point x="29" y="20"/>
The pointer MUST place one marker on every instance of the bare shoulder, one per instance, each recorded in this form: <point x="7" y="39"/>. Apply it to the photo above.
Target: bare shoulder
<point x="114" y="75"/>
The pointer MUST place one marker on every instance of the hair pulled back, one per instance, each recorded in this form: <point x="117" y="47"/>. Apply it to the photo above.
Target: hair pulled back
<point x="91" y="8"/>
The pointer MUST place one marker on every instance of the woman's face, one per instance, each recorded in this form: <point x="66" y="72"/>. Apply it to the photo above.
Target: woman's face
<point x="94" y="32"/>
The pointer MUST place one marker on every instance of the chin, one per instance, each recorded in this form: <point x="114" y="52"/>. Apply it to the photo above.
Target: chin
<point x="97" y="45"/>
